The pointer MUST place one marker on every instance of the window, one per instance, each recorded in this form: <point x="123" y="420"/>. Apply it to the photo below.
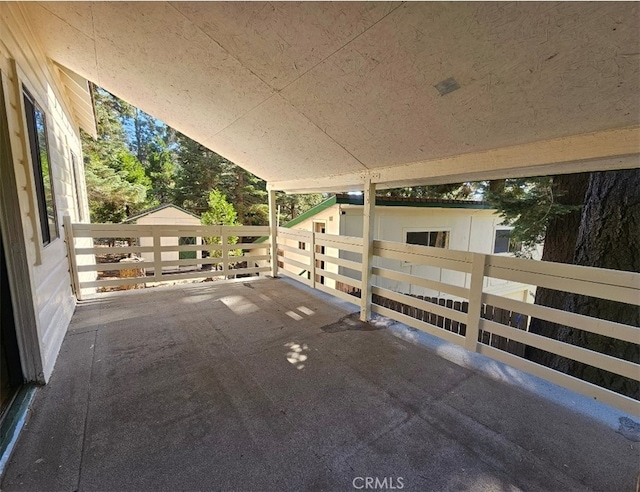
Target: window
<point x="37" y="129"/>
<point x="435" y="239"/>
<point x="504" y="243"/>
<point x="187" y="255"/>
<point x="301" y="245"/>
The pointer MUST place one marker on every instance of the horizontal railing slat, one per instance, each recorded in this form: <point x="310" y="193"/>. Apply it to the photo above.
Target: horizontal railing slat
<point x="420" y="304"/>
<point x="609" y="397"/>
<point x="427" y="251"/>
<point x="566" y="318"/>
<point x="351" y="265"/>
<point x="299" y="278"/>
<point x="340" y="278"/>
<point x="116" y="282"/>
<point x="103" y="267"/>
<point x="627" y="295"/>
<point x="297" y="264"/>
<point x="445" y="263"/>
<point x="295" y="234"/>
<point x="97" y="250"/>
<point x="422" y="282"/>
<point x="294" y="250"/>
<point x="420" y="325"/>
<point x="337" y="293"/>
<point x="596" y="359"/>
<point x="616" y="278"/>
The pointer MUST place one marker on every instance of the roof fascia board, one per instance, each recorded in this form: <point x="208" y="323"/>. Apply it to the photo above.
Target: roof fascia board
<point x="600" y="151"/>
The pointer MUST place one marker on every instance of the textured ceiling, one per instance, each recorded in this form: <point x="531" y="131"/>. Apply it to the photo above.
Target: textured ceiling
<point x="312" y="91"/>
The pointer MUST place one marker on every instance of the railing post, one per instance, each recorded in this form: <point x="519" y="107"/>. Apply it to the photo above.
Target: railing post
<point x="273" y="232"/>
<point x="224" y="243"/>
<point x="71" y="252"/>
<point x="157" y="255"/>
<point x="312" y="260"/>
<point x="475" y="301"/>
<point x="367" y="248"/>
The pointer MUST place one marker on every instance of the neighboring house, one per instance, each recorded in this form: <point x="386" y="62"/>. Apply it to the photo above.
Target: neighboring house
<point x="173" y="216"/>
<point x="453" y="224"/>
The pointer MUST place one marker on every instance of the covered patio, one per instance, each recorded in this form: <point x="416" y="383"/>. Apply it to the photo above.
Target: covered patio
<point x="266" y="384"/>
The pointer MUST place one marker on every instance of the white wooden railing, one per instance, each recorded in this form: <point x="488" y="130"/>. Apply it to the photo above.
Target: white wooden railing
<point x="157" y="243"/>
<point x="600" y="283"/>
<point x="324" y="262"/>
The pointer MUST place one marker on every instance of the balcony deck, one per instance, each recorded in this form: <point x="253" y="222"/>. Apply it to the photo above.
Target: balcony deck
<point x="267" y="385"/>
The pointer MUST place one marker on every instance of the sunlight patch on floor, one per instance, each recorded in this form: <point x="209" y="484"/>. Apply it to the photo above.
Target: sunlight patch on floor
<point x="296" y="354"/>
<point x="239" y="304"/>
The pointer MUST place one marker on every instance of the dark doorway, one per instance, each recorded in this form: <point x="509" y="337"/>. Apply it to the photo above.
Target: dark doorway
<point x="10" y="370"/>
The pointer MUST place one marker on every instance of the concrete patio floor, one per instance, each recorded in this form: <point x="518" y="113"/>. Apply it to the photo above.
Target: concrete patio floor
<point x="263" y="385"/>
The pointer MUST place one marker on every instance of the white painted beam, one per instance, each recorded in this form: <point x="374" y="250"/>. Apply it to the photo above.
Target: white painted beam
<point x="368" y="227"/>
<point x="600" y="151"/>
<point x="273" y="232"/>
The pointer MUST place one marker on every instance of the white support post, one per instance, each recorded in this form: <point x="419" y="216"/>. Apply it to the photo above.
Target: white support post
<point x="312" y="258"/>
<point x="367" y="248"/>
<point x="71" y="252"/>
<point x="273" y="232"/>
<point x="157" y="255"/>
<point x="475" y="301"/>
<point x="224" y="243"/>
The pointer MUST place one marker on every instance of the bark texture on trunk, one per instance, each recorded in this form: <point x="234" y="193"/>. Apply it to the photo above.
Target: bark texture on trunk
<point x="609" y="237"/>
<point x="559" y="246"/>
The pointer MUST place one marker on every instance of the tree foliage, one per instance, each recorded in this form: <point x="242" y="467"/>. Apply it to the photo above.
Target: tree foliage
<point x="116" y="181"/>
<point x="220" y="212"/>
<point x="528" y="205"/>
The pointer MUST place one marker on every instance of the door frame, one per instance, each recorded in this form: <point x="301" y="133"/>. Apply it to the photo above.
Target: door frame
<point x="17" y="261"/>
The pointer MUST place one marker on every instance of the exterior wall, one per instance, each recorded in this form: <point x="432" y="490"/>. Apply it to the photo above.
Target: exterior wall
<point x="168" y="216"/>
<point x="22" y="63"/>
<point x="330" y="219"/>
<point x="469" y="230"/>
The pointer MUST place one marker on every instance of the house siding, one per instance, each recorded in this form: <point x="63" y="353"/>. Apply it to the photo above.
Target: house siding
<point x="470" y="229"/>
<point x="23" y="64"/>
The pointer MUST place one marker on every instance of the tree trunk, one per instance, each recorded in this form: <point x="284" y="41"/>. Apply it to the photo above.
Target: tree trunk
<point x="559" y="246"/>
<point x="609" y="238"/>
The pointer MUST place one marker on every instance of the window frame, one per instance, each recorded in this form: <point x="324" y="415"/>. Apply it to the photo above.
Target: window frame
<point x="428" y="230"/>
<point x="509" y="242"/>
<point x="30" y="107"/>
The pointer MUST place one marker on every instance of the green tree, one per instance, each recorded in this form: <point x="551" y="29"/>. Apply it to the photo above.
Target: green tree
<point x="116" y="180"/>
<point x="198" y="172"/>
<point x="529" y="205"/>
<point x="293" y="205"/>
<point x="452" y="191"/>
<point x="161" y="170"/>
<point x="220" y="212"/>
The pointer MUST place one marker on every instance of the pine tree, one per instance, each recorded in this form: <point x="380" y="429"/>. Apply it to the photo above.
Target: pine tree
<point x="116" y="181"/>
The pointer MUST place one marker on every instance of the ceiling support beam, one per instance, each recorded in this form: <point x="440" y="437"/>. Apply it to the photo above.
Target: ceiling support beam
<point x="600" y="151"/>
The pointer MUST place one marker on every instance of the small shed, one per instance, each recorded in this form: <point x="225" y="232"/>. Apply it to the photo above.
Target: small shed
<point x="171" y="215"/>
